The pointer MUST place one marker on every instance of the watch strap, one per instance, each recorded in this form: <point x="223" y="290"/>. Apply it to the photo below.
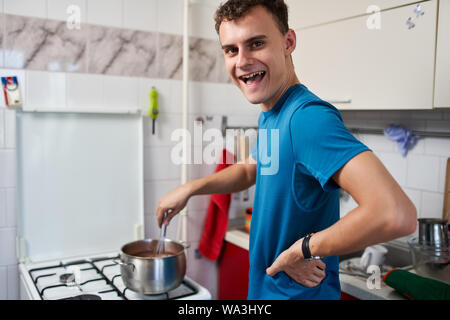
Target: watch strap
<point x="305" y="248"/>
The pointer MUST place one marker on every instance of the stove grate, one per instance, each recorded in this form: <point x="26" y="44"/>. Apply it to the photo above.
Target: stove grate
<point x="184" y="290"/>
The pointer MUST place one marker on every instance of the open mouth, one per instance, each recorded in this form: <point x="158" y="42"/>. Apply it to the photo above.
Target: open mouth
<point x="253" y="78"/>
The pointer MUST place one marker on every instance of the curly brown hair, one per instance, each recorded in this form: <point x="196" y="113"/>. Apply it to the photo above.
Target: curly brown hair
<point x="234" y="9"/>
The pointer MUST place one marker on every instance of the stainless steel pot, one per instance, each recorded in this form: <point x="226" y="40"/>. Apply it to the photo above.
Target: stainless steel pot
<point x="430" y="261"/>
<point x="144" y="273"/>
<point x="433" y="232"/>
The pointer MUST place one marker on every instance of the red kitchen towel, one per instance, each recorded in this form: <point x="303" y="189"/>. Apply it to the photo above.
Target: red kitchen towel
<point x="216" y="222"/>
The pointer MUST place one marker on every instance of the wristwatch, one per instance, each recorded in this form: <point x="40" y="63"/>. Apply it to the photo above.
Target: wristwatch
<point x="305" y="249"/>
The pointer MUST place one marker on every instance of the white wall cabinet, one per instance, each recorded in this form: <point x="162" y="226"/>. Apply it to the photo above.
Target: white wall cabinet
<point x="304" y="13"/>
<point x="442" y="92"/>
<point x="387" y="68"/>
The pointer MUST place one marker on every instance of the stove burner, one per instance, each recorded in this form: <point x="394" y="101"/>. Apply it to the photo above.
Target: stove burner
<point x="67" y="278"/>
<point x="84" y="297"/>
<point x="99" y="270"/>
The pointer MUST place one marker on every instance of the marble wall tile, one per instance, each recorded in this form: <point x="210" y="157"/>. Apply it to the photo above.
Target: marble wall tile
<point x="41" y="44"/>
<point x="203" y="59"/>
<point x="123" y="52"/>
<point x="50" y="45"/>
<point x="222" y="73"/>
<point x="170" y="56"/>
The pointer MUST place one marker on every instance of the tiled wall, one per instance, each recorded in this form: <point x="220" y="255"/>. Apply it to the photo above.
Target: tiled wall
<point x="59" y="69"/>
<point x="421" y="173"/>
<point x="8" y="262"/>
<point x="209" y="101"/>
<point x="53" y="45"/>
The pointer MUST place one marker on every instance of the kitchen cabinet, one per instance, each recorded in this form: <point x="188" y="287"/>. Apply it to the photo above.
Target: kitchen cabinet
<point x="233" y="272"/>
<point x="345" y="296"/>
<point x="356" y="67"/>
<point x="442" y="94"/>
<point x="305" y="13"/>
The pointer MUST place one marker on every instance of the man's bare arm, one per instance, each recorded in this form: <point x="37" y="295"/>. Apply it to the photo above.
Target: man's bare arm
<point x="384" y="213"/>
<point x="235" y="178"/>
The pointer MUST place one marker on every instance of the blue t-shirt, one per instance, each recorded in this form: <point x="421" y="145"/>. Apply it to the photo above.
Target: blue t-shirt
<point x="302" y="142"/>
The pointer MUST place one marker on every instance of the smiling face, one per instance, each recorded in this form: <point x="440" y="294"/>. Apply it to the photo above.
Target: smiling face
<point x="257" y="56"/>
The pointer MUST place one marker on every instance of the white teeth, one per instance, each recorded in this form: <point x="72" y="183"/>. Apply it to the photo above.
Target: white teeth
<point x="254" y="74"/>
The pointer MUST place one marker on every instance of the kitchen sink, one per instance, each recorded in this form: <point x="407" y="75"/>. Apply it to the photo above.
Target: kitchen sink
<point x="398" y="256"/>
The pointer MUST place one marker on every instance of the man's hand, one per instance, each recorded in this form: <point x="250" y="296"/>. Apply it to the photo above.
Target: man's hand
<point x="307" y="273"/>
<point x="173" y="202"/>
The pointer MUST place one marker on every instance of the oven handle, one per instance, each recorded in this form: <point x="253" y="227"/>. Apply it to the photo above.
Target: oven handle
<point x="120" y="263"/>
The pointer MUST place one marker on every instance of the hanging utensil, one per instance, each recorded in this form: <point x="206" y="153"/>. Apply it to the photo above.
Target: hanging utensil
<point x="153" y="111"/>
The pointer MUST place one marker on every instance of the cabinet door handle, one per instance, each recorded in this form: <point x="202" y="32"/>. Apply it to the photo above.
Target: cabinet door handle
<point x="410" y="23"/>
<point x="338" y="100"/>
<point x="418" y="11"/>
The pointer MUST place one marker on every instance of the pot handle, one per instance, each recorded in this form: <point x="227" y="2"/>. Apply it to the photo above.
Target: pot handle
<point x="120" y="263"/>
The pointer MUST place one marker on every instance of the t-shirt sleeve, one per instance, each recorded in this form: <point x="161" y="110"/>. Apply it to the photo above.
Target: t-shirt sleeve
<point x="322" y="143"/>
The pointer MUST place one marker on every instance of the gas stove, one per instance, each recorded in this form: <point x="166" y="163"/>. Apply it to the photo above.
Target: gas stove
<point x="93" y="278"/>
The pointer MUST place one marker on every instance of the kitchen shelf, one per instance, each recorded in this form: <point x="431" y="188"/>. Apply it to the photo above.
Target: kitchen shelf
<point x="82" y="110"/>
<point x="423" y="134"/>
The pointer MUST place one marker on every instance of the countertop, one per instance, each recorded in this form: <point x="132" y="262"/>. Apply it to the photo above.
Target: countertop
<point x="353" y="285"/>
<point x="238" y="237"/>
<point x="358" y="288"/>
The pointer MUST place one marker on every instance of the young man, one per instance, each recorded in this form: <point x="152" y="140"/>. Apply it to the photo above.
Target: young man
<point x="317" y="156"/>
